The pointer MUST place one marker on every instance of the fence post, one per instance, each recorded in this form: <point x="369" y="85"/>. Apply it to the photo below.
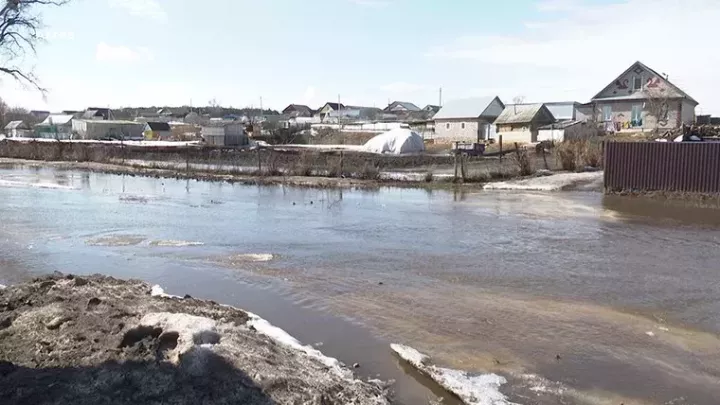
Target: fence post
<point x="501" y="147"/>
<point x="456" y="166"/>
<point x="462" y="166"/>
<point x="259" y="161"/>
<point x="544" y="157"/>
<point x="342" y="163"/>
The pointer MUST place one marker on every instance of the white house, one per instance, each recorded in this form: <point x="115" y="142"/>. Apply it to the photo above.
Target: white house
<point x="467" y="119"/>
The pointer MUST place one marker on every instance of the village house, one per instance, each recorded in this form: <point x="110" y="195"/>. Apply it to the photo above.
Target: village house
<point x="94" y="113"/>
<point x="327" y="109"/>
<point x="640" y="98"/>
<point x="521" y="122"/>
<point x="354" y="114"/>
<point x="468" y="119"/>
<point x="430" y="110"/>
<point x="17" y="129"/>
<point x="566" y="111"/>
<point x="157" y="131"/>
<point x="40" y="115"/>
<point x="298" y="110"/>
<point x="401" y="107"/>
<point x="55" y="126"/>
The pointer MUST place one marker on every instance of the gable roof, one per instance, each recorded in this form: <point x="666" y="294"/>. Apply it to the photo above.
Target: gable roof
<point x="17" y="125"/>
<point x="334" y="106"/>
<point x="466" y="108"/>
<point x="159" y="126"/>
<point x="299" y="108"/>
<point x="57" y="119"/>
<point x="523" y="113"/>
<point x="640" y="94"/>
<point x="405" y="104"/>
<point x="430" y="107"/>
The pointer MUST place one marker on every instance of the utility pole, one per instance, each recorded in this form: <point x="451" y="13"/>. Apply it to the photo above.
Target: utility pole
<point x="440" y="98"/>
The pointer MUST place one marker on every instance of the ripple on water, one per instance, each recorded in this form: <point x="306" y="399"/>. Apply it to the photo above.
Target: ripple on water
<point x="175" y="243"/>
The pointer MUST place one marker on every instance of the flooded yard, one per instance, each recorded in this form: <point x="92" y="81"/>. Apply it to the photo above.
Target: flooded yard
<point x="573" y="297"/>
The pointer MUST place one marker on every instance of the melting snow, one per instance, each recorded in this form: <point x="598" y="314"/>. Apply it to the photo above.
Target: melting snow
<point x="556" y="182"/>
<point x="481" y="389"/>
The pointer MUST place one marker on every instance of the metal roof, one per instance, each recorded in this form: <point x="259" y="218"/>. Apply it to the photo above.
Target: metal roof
<point x="563" y="111"/>
<point x="405" y="104"/>
<point x="57" y="119"/>
<point x="15" y="125"/>
<point x="519" y="113"/>
<point x="159" y="126"/>
<point x="465" y="108"/>
<point x="561" y="125"/>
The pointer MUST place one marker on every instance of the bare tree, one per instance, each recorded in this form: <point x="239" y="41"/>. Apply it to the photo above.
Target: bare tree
<point x="657" y="104"/>
<point x="19" y="25"/>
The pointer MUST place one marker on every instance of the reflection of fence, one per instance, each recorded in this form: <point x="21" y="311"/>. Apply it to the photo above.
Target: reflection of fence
<point x="662" y="166"/>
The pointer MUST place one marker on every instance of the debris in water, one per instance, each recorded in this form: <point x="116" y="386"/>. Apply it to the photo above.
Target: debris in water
<point x="650" y="333"/>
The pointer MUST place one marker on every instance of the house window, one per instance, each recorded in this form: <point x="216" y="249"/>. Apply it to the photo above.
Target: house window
<point x="462" y="125"/>
<point x="637" y="83"/>
<point x="607" y="112"/>
<point x="447" y="126"/>
<point x="636" y="116"/>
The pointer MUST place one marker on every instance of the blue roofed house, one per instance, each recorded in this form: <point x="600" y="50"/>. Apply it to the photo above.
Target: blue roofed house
<point x="468" y="120"/>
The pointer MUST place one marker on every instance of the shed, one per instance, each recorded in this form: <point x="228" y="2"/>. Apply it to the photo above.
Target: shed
<point x="219" y="133"/>
<point x="17" y="129"/>
<point x="107" y="129"/>
<point x="157" y="131"/>
<point x="566" y="130"/>
<point x="467" y="119"/>
<point x="521" y="122"/>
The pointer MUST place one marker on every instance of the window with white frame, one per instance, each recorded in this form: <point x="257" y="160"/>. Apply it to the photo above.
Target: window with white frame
<point x="637" y="83"/>
<point x="607" y="113"/>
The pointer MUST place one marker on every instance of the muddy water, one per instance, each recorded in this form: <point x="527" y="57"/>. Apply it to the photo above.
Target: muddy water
<point x="603" y="300"/>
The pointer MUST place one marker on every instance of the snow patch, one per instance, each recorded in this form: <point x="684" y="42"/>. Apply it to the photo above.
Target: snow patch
<point x="157" y="291"/>
<point x="2" y="286"/>
<point x="187" y="327"/>
<point x="483" y="389"/>
<point x="556" y="182"/>
<point x="664" y="329"/>
<point x="650" y="333"/>
<point x="541" y="385"/>
<point x="280" y="336"/>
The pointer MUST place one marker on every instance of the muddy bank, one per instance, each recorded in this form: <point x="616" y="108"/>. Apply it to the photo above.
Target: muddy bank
<point x="66" y="339"/>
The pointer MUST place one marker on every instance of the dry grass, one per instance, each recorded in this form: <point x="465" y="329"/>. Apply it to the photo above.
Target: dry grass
<point x="573" y="155"/>
<point x="522" y="160"/>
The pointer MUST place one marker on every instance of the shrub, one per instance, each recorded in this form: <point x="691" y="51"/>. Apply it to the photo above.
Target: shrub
<point x="521" y="158"/>
<point x="566" y="155"/>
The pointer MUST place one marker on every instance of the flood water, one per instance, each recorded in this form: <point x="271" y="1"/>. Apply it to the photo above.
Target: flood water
<point x="606" y="300"/>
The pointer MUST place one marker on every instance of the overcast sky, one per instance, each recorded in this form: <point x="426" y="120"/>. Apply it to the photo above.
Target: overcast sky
<point x="174" y="52"/>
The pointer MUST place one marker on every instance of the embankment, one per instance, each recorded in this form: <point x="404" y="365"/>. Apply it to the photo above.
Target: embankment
<point x="91" y="340"/>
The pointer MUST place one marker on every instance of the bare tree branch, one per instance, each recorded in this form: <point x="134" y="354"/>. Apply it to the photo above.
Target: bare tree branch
<point x="19" y="24"/>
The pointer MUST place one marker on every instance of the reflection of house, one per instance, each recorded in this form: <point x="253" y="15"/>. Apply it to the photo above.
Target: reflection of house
<point x="219" y="133"/>
<point x="157" y="131"/>
<point x="107" y="129"/>
<point x="55" y="126"/>
<point x="401" y="106"/>
<point x="521" y="122"/>
<point x="17" y="129"/>
<point x="468" y="119"/>
<point x="642" y="98"/>
<point x="297" y="110"/>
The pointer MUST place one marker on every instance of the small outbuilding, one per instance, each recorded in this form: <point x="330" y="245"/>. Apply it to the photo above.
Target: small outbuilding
<point x="157" y="131"/>
<point x="17" y="129"/>
<point x="225" y="133"/>
<point x="567" y="131"/>
<point x="521" y="122"/>
<point x="467" y="119"/>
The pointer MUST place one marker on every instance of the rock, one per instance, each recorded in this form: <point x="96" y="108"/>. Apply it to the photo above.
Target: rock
<point x="381" y="283"/>
<point x="79" y="282"/>
<point x="93" y="302"/>
<point x="187" y="297"/>
<point x="47" y="284"/>
<point x="57" y="322"/>
<point x="356" y="365"/>
<point x="5" y="323"/>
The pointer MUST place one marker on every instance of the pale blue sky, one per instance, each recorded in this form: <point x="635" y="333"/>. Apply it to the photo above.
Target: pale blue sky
<point x="152" y="52"/>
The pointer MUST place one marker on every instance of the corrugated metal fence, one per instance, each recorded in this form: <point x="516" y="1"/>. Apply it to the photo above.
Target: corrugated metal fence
<point x="662" y="166"/>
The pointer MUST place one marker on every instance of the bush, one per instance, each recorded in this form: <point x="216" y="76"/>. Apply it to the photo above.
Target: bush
<point x="592" y="153"/>
<point x="566" y="155"/>
<point x="521" y="158"/>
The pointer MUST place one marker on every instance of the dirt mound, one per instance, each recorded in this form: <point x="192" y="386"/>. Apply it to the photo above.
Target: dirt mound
<point x="90" y="340"/>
